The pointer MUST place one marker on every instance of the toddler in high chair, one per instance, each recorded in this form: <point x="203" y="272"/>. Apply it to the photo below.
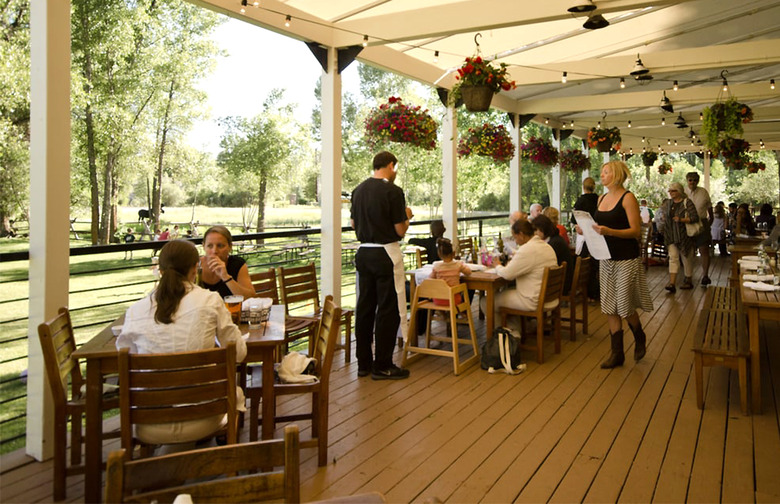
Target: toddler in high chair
<point x="448" y="269"/>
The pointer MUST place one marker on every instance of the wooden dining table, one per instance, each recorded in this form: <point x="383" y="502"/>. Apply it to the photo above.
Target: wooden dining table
<point x="759" y="305"/>
<point x="101" y="356"/>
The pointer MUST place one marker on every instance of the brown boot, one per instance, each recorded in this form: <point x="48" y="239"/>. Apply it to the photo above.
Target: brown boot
<point x="616" y="358"/>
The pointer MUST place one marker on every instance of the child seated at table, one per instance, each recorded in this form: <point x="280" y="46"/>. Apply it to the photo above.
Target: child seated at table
<point x="448" y="269"/>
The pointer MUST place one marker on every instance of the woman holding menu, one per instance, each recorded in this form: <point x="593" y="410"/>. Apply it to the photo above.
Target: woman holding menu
<point x="622" y="277"/>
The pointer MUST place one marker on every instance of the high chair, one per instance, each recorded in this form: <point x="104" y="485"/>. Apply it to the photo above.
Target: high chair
<point x="459" y="312"/>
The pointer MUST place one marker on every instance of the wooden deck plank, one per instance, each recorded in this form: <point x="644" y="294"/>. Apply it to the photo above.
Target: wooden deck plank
<point x="766" y="436"/>
<point x="738" y="454"/>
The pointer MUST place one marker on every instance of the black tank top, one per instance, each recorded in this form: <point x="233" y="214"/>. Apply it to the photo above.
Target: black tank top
<point x="619" y="248"/>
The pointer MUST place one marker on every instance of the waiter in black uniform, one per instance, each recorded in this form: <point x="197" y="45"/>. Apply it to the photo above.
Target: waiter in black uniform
<point x="380" y="218"/>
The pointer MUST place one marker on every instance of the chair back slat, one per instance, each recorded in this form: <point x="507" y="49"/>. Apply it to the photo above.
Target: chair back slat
<point x="583" y="274"/>
<point x="264" y="283"/>
<point x="210" y="474"/>
<point x="466" y="246"/>
<point x="433" y="288"/>
<point x="206" y="393"/>
<point x="178" y="377"/>
<point x="149" y="398"/>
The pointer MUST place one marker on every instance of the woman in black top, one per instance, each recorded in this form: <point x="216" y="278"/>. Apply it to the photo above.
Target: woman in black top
<point x="220" y="271"/>
<point x="623" y="282"/>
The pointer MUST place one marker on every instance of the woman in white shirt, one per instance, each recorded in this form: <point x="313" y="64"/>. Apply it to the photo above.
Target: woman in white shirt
<point x="179" y="316"/>
<point x="526" y="268"/>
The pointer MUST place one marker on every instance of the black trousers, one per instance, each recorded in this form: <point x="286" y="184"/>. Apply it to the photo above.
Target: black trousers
<point x="376" y="317"/>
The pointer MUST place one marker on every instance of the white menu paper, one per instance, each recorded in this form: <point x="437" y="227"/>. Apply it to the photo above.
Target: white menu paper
<point x="597" y="245"/>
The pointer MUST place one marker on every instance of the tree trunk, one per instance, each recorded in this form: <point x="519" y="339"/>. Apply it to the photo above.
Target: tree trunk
<point x="89" y="123"/>
<point x="157" y="203"/>
<point x="261" y="206"/>
<point x="5" y="225"/>
<point x="105" y="226"/>
<point x="113" y="220"/>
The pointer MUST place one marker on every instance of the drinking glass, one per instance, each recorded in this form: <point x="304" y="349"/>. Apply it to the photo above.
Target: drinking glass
<point x="233" y="304"/>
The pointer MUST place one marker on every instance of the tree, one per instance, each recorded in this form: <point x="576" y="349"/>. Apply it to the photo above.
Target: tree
<point x="14" y="112"/>
<point x="256" y="151"/>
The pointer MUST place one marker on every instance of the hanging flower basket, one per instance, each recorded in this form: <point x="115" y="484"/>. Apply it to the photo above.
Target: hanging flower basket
<point x="574" y="160"/>
<point x="478" y="80"/>
<point x="488" y="140"/>
<point x="734" y="152"/>
<point x="604" y="139"/>
<point x="664" y="168"/>
<point x="649" y="157"/>
<point x="395" y="122"/>
<point x="476" y="98"/>
<point x="724" y="119"/>
<point x="539" y="151"/>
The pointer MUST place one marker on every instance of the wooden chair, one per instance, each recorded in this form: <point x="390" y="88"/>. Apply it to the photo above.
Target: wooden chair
<point x="295" y="328"/>
<point x="645" y="239"/>
<point x="58" y="345"/>
<point x="424" y="295"/>
<point x="466" y="248"/>
<point x="324" y="348"/>
<point x="234" y="473"/>
<point x="578" y="294"/>
<point x="422" y="257"/>
<point x="552" y="288"/>
<point x="177" y="387"/>
<point x="299" y="285"/>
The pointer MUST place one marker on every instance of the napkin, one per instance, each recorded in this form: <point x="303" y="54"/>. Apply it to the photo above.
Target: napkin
<point x="758" y="278"/>
<point x="758" y="286"/>
<point x="749" y="258"/>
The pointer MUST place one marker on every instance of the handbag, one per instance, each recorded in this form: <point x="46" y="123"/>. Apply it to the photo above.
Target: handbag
<point x="501" y="353"/>
<point x="693" y="228"/>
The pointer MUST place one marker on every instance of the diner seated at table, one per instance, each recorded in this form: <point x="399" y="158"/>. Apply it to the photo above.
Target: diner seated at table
<point x="553" y="214"/>
<point x="744" y="221"/>
<point x="526" y="268"/>
<point x="220" y="271"/>
<point x="765" y="220"/>
<point x="545" y="229"/>
<point x="448" y="269"/>
<point x="179" y="316"/>
<point x="429" y="244"/>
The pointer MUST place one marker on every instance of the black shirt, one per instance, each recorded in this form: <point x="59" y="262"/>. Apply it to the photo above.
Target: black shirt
<point x="430" y="246"/>
<point x="377" y="205"/>
<point x="233" y="266"/>
<point x="616" y="218"/>
<point x="588" y="202"/>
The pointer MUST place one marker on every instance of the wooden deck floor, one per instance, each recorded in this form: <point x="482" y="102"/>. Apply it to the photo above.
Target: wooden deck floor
<point x="564" y="431"/>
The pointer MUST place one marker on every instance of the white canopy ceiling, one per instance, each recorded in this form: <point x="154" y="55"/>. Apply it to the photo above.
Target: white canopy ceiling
<point x="691" y="42"/>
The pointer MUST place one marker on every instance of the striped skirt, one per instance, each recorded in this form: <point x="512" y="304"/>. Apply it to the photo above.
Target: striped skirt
<point x="624" y="287"/>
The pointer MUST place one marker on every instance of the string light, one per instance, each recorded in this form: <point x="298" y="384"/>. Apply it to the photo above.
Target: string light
<point x="771" y="83"/>
<point x="622" y="83"/>
<point x="287" y="21"/>
<point x="630" y="150"/>
<point x="546" y="120"/>
<point x="675" y="142"/>
<point x="643" y="139"/>
<point x="256" y="4"/>
<point x="365" y="40"/>
<point x="663" y="121"/>
<point x="675" y="86"/>
<point x="725" y="84"/>
<point x="701" y="116"/>
<point x="243" y="6"/>
<point x="563" y="77"/>
<point x="436" y="57"/>
<point x="629" y="124"/>
<point x="572" y="123"/>
<point x="598" y="125"/>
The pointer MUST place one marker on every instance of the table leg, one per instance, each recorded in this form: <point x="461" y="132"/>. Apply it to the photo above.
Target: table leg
<point x="93" y="477"/>
<point x="490" y="308"/>
<point x="755" y="359"/>
<point x="268" y="393"/>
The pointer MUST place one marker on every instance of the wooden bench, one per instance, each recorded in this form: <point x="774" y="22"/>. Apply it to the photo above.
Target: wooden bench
<point x="721" y="339"/>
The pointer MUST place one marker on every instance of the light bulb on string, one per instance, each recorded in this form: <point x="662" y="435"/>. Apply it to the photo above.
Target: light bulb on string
<point x="629" y="124"/>
<point x="436" y="57"/>
<point x="572" y="123"/>
<point x="563" y="77"/>
<point x="622" y="83"/>
<point x="598" y="125"/>
<point x="287" y="21"/>
<point x="663" y="121"/>
<point x="771" y="83"/>
<point x="675" y="86"/>
<point x="365" y="40"/>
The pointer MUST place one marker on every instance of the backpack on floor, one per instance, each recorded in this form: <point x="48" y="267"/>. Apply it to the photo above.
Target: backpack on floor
<point x="501" y="353"/>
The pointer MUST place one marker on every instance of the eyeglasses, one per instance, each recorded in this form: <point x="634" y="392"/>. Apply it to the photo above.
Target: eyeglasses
<point x="672" y="190"/>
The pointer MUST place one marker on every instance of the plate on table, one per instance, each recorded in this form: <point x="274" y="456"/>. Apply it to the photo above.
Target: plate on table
<point x="750" y="258"/>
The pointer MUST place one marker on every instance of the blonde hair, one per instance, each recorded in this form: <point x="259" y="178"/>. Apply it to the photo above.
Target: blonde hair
<point x="589" y="185"/>
<point x="619" y="171"/>
<point x="679" y="188"/>
<point x="551" y="213"/>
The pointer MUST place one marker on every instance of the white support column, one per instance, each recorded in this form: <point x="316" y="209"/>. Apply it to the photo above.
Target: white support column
<point x="515" y="169"/>
<point x="586" y="171"/>
<point x="330" y="202"/>
<point x="449" y="173"/>
<point x="555" y="197"/>
<point x="49" y="201"/>
<point x="707" y="166"/>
